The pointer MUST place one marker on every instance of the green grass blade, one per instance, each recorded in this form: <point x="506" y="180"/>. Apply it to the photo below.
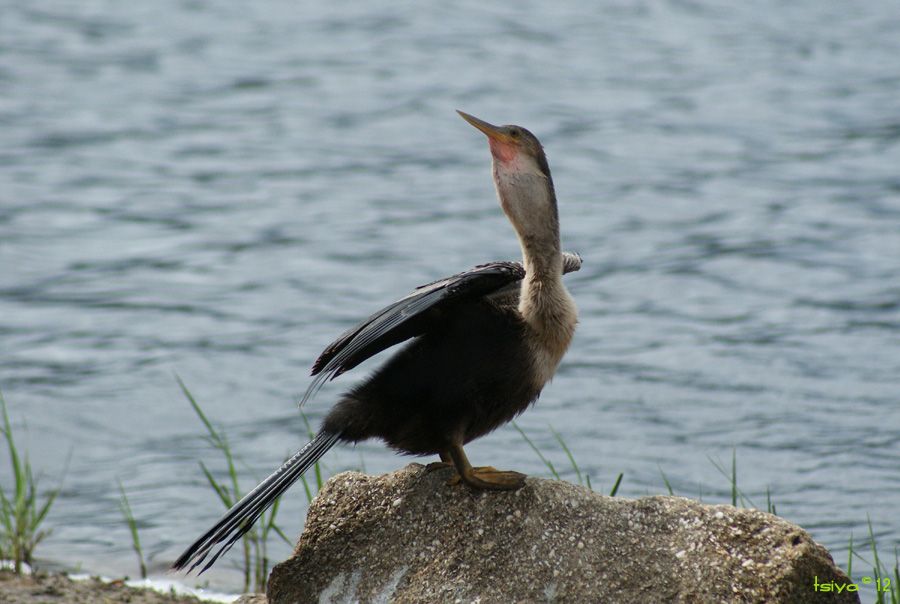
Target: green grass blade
<point x="615" y="488"/>
<point x="309" y="429"/>
<point x="736" y="493"/>
<point x="210" y="429"/>
<point x="666" y="480"/>
<point x="15" y="463"/>
<point x="734" y="489"/>
<point x="273" y="512"/>
<point x="7" y="516"/>
<point x="895" y="586"/>
<point x="320" y="480"/>
<point x="220" y="490"/>
<point x="306" y="489"/>
<point x="217" y="438"/>
<point x="317" y="468"/>
<point x="281" y="534"/>
<point x="872" y="541"/>
<point x="42" y="511"/>
<point x="538" y="451"/>
<point x="565" y="448"/>
<point x="125" y="506"/>
<point x="876" y="564"/>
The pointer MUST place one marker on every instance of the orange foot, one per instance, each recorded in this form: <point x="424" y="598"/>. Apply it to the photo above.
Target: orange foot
<point x="490" y="478"/>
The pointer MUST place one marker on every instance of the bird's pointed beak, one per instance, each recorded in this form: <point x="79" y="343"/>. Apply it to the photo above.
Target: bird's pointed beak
<point x="493" y="132"/>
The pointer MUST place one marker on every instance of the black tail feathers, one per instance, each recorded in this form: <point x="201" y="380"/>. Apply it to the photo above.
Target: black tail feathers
<point x="245" y="512"/>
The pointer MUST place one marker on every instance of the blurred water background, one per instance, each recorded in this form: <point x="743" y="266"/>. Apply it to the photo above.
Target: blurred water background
<point x="219" y="189"/>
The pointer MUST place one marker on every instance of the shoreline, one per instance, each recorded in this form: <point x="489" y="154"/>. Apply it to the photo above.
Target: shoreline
<point x="52" y="587"/>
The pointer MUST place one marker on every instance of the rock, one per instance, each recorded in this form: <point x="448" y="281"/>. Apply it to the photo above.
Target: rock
<point x="408" y="537"/>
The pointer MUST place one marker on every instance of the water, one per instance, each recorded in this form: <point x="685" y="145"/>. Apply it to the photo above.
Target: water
<point x="214" y="191"/>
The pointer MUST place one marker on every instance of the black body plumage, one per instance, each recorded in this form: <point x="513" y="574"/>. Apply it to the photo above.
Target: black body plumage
<point x="462" y="378"/>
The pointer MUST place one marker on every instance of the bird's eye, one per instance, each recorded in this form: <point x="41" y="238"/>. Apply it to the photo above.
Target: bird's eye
<point x="514" y="132"/>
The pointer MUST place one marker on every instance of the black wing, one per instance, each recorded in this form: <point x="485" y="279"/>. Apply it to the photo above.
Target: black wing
<point x="410" y="316"/>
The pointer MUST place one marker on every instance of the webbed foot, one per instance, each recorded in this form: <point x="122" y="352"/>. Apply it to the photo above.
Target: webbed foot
<point x="484" y="477"/>
<point x="490" y="478"/>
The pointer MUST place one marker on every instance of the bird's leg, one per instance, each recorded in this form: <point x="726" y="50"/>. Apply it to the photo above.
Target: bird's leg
<point x="484" y="477"/>
<point x="445" y="462"/>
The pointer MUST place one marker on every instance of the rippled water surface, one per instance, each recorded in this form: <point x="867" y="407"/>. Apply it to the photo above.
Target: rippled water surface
<point x="218" y="190"/>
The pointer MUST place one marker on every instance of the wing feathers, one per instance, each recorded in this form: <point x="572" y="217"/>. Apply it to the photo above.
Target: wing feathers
<point x="411" y="315"/>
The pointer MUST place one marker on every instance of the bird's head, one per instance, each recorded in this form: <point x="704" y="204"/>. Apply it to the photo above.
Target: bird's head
<point x="514" y="148"/>
<point x="522" y="178"/>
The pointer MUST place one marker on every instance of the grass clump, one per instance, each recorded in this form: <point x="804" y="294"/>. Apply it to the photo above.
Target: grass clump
<point x="21" y="513"/>
<point x="255" y="564"/>
<point x="255" y="543"/>
<point x="583" y="479"/>
<point x="885" y="580"/>
<point x="738" y="497"/>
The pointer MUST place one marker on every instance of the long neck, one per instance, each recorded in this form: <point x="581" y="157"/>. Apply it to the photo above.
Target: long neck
<point x="528" y="199"/>
<point x="526" y="195"/>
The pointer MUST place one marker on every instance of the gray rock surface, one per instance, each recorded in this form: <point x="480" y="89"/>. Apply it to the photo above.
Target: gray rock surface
<point x="408" y="537"/>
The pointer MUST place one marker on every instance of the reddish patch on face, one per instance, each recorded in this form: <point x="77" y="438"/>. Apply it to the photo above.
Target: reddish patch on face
<point x="503" y="152"/>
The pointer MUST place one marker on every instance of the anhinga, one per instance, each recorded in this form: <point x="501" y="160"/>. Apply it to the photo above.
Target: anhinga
<point x="485" y="342"/>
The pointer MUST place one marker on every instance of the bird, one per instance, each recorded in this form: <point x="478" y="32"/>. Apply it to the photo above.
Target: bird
<point x="483" y="344"/>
